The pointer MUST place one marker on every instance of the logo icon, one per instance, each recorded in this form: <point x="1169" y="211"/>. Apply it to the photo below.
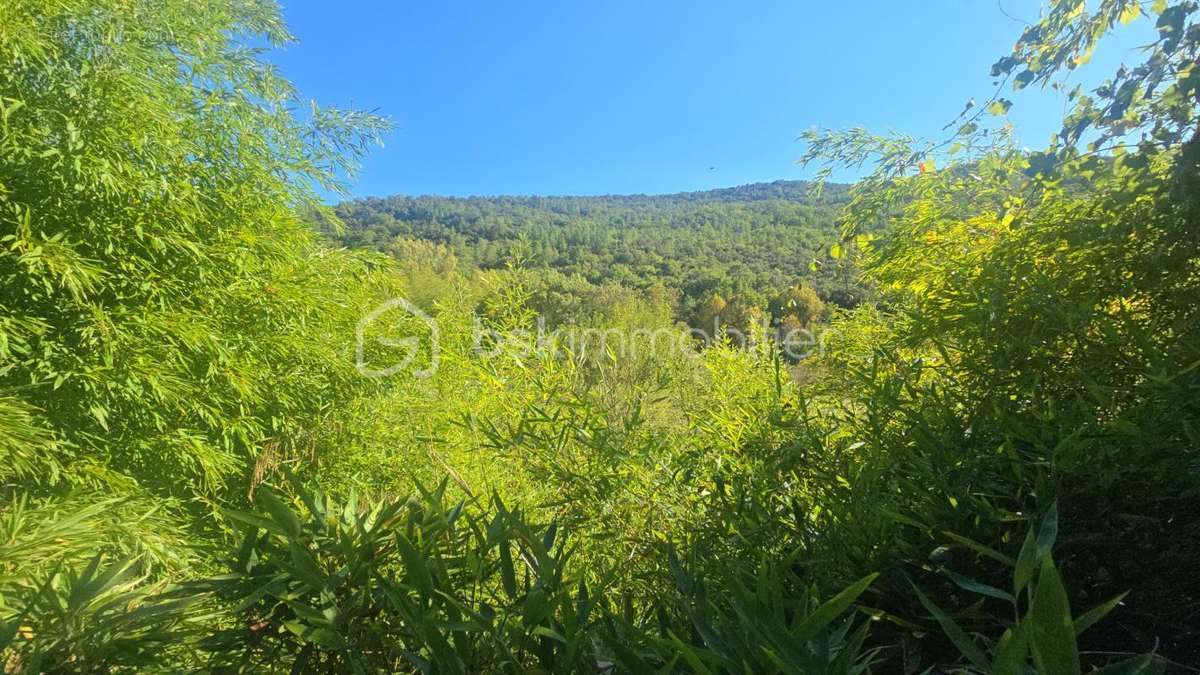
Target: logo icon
<point x="409" y="321"/>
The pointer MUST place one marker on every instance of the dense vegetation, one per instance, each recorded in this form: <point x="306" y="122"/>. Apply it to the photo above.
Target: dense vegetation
<point x="989" y="466"/>
<point x="734" y="254"/>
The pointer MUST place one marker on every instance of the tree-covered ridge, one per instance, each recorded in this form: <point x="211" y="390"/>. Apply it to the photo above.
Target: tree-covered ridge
<point x="746" y="244"/>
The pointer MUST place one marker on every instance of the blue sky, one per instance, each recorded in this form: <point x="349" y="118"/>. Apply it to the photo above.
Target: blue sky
<point x="650" y="96"/>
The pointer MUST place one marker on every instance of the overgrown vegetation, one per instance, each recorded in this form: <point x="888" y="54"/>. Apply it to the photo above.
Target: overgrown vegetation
<point x="989" y="466"/>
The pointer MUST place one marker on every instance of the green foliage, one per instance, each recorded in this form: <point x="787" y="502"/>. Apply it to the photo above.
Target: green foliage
<point x="1038" y="342"/>
<point x="740" y="243"/>
<point x="167" y="317"/>
<point x="175" y="335"/>
<point x="98" y="620"/>
<point x="1043" y="633"/>
<point x="418" y="585"/>
<point x="406" y="585"/>
<point x="768" y="626"/>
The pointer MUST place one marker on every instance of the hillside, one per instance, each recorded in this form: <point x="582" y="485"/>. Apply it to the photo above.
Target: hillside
<point x="745" y="244"/>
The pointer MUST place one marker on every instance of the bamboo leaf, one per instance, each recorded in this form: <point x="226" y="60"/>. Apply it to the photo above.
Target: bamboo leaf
<point x="1093" y="615"/>
<point x="831" y="609"/>
<point x="1052" y="631"/>
<point x="966" y="646"/>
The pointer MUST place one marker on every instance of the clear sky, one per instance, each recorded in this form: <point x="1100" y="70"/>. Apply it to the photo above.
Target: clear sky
<point x="647" y="96"/>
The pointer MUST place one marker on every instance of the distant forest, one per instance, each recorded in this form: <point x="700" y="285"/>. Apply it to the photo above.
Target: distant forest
<point x="734" y="252"/>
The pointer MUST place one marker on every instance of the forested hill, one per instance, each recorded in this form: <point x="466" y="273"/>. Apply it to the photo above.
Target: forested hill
<point x="745" y="243"/>
<point x="786" y="190"/>
<point x="790" y="190"/>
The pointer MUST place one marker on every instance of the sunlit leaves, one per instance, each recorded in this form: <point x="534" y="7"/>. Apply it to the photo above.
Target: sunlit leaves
<point x="999" y="107"/>
<point x="1007" y="275"/>
<point x="153" y="232"/>
<point x="169" y="321"/>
